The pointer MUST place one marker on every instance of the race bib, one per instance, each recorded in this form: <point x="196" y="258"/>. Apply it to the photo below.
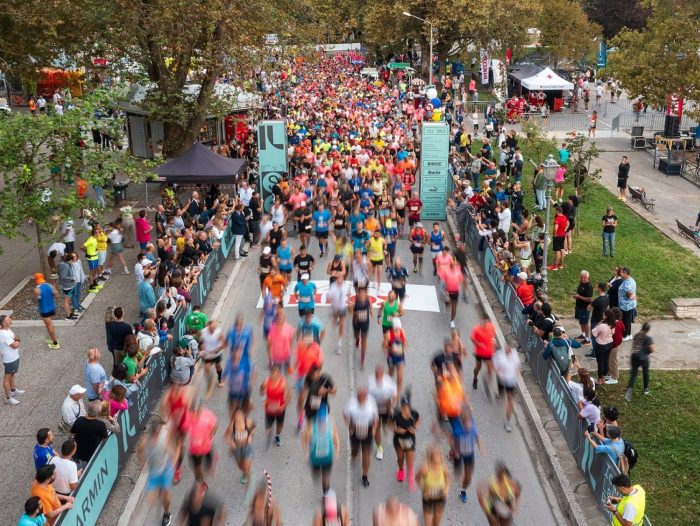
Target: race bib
<point x="362" y="315"/>
<point x="406" y="443"/>
<point x="397" y="348"/>
<point x="305" y="299"/>
<point x="397" y="284"/>
<point x="314" y="402"/>
<point x="361" y="430"/>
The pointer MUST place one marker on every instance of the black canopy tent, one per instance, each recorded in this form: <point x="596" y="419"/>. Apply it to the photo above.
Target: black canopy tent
<point x="199" y="165"/>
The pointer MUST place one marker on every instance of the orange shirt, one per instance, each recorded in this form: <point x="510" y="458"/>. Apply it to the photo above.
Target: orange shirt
<point x="450" y="397"/>
<point x="371" y="224"/>
<point x="276" y="285"/>
<point x="483" y="338"/>
<point x="307" y="356"/>
<point x="47" y="496"/>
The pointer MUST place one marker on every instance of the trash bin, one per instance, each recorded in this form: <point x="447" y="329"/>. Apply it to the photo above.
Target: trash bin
<point x="119" y="192"/>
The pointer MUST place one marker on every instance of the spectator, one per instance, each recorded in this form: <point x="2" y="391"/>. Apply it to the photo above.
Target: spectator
<point x="603" y="333"/>
<point x="9" y="348"/>
<point x="143" y="229"/>
<point x="589" y="408"/>
<point x="576" y="388"/>
<point x="196" y="320"/>
<point x="88" y="432"/>
<point x="66" y="282"/>
<point x="614" y="287"/>
<point x="584" y="298"/>
<point x="613" y="445"/>
<point x="181" y="363"/>
<point x="109" y="422"/>
<point x="52" y="503"/>
<point x="525" y="290"/>
<point x="67" y="472"/>
<point x="147" y="295"/>
<point x="42" y="449"/>
<point x="642" y="347"/>
<point x="95" y="376"/>
<point x="117" y="330"/>
<point x="546" y="325"/>
<point x="598" y="305"/>
<point x="561" y="225"/>
<point x="117" y="400"/>
<point x="560" y="348"/>
<point x="133" y="361"/>
<point x="627" y="510"/>
<point x="609" y="225"/>
<point x="73" y="406"/>
<point x="238" y="229"/>
<point x="613" y="370"/>
<point x="627" y="301"/>
<point x="33" y="513"/>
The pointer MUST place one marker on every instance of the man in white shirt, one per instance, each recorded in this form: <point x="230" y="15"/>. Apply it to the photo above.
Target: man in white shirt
<point x="139" y="268"/>
<point x="68" y="235"/>
<point x="245" y="193"/>
<point x="382" y="388"/>
<point x="73" y="405"/>
<point x="507" y="364"/>
<point x="362" y="419"/>
<point x="67" y="472"/>
<point x="211" y="342"/>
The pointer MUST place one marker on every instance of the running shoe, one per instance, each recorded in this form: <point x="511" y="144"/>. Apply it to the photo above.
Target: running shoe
<point x="508" y="427"/>
<point x="17" y="392"/>
<point x="647" y="392"/>
<point x="221" y="384"/>
<point x="628" y="395"/>
<point x="380" y="453"/>
<point x="475" y="383"/>
<point x="400" y="475"/>
<point x="11" y="401"/>
<point x="365" y="481"/>
<point x="55" y="346"/>
<point x="452" y="324"/>
<point x="463" y="496"/>
<point x="278" y="441"/>
<point x="611" y="381"/>
<point x="166" y="520"/>
<point x="243" y="479"/>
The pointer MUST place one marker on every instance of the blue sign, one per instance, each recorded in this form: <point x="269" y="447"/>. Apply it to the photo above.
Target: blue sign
<point x="602" y="55"/>
<point x="435" y="182"/>
<point x="272" y="158"/>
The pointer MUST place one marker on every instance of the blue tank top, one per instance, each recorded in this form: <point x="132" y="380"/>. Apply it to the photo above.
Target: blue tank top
<point x="321" y="447"/>
<point x="47" y="303"/>
<point x="436" y="241"/>
<point x="284" y="256"/>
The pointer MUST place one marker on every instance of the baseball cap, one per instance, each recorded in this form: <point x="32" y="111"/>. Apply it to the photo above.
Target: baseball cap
<point x="267" y="250"/>
<point x="507" y="254"/>
<point x="305" y="275"/>
<point x="77" y="389"/>
<point x="303" y="203"/>
<point x="522" y="275"/>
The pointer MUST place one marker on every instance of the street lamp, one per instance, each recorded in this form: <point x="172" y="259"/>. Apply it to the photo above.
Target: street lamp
<point x="550" y="171"/>
<point x="406" y="13"/>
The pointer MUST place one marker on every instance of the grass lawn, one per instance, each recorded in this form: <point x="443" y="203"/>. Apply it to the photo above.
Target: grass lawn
<point x="665" y="429"/>
<point x="662" y="268"/>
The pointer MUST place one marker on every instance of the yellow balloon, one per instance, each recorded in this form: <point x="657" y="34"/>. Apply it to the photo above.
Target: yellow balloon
<point x="437" y="116"/>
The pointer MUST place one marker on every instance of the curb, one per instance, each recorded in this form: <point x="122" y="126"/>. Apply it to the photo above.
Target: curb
<point x="561" y="486"/>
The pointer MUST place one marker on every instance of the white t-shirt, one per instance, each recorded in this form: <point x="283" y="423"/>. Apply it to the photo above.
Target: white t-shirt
<point x="336" y="296"/>
<point x="69" y="234"/>
<point x="66" y="474"/>
<point x="361" y="417"/>
<point x="71" y="410"/>
<point x="504" y="220"/>
<point x="209" y="341"/>
<point x="60" y="249"/>
<point x="576" y="390"/>
<point x="382" y="393"/>
<point x="7" y="337"/>
<point x="507" y="365"/>
<point x="115" y="236"/>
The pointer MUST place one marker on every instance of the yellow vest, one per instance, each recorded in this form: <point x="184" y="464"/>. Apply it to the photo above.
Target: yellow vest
<point x="638" y="500"/>
<point x="375" y="249"/>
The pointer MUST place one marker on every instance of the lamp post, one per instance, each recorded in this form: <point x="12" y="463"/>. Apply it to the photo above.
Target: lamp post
<point x="550" y="171"/>
<point x="430" y="62"/>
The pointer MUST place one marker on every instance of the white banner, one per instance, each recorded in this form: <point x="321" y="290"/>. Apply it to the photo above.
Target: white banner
<point x="418" y="297"/>
<point x="485" y="59"/>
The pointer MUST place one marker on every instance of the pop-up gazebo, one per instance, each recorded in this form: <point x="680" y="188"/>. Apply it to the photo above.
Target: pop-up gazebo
<point x="199" y="165"/>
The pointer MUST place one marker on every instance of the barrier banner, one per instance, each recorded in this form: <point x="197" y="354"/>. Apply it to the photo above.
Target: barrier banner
<point x="272" y="158"/>
<point x="597" y="469"/>
<point x="102" y="472"/>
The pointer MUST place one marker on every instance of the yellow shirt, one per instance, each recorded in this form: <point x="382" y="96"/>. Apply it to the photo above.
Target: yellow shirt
<point x="90" y="246"/>
<point x="101" y="242"/>
<point x="375" y="251"/>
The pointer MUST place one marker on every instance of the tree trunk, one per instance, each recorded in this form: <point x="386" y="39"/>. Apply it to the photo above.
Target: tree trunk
<point x="43" y="260"/>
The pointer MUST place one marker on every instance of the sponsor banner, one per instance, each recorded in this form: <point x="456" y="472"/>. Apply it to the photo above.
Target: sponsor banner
<point x="485" y="59"/>
<point x="435" y="180"/>
<point x="418" y="297"/>
<point x="99" y="477"/>
<point x="272" y="157"/>
<point x="598" y="469"/>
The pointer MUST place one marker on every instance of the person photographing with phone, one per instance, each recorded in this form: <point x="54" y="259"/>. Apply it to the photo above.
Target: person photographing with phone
<point x="627" y="510"/>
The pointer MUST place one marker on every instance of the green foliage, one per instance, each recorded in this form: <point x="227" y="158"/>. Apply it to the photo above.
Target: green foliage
<point x="41" y="159"/>
<point x="583" y="152"/>
<point x="614" y="15"/>
<point x="566" y="31"/>
<point x="537" y="144"/>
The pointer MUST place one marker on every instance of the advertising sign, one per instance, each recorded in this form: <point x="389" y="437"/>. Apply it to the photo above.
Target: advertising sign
<point x="435" y="180"/>
<point x="272" y="157"/>
<point x="485" y="59"/>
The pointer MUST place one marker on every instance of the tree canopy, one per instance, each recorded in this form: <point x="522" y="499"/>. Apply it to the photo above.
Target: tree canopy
<point x="566" y="31"/>
<point x="614" y="15"/>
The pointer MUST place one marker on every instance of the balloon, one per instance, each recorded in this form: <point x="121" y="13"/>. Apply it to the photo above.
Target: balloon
<point x="431" y="93"/>
<point x="437" y="115"/>
<point x="436" y="102"/>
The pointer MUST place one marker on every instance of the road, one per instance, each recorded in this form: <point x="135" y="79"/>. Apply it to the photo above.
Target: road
<point x="298" y="495"/>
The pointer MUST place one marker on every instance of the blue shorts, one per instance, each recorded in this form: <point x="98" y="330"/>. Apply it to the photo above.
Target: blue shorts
<point x="93" y="264"/>
<point x="394" y="360"/>
<point x="161" y="481"/>
<point x="582" y="315"/>
<point x="299" y="384"/>
<point x="143" y="245"/>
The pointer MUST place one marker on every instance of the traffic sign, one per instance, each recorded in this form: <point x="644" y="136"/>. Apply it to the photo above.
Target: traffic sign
<point x="398" y="65"/>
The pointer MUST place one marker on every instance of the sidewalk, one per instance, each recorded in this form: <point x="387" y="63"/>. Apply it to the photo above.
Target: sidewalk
<point x="675" y="197"/>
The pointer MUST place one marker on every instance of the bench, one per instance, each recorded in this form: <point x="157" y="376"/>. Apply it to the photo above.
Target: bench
<point x="688" y="233"/>
<point x="640" y="195"/>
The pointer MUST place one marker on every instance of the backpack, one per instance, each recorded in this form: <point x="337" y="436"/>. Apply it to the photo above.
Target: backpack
<point x="560" y="353"/>
<point x="629" y="458"/>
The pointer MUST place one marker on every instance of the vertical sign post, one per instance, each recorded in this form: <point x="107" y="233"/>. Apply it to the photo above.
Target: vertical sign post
<point x="272" y="158"/>
<point x="434" y="174"/>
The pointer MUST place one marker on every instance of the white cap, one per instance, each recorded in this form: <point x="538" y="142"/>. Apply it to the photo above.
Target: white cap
<point x="146" y="262"/>
<point x="522" y="275"/>
<point x="305" y="275"/>
<point x="267" y="250"/>
<point x="77" y="389"/>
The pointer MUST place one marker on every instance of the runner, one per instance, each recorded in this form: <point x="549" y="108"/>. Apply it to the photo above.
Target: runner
<point x="391" y="234"/>
<point x="279" y="343"/>
<point x="268" y="312"/>
<point x="201" y="508"/>
<point x="310" y="324"/>
<point x="383" y="389"/>
<point x="437" y="243"/>
<point x="239" y="437"/>
<point x="317" y="387"/>
<point x="377" y="251"/>
<point x="160" y="453"/>
<point x="277" y="395"/>
<point x="405" y="423"/>
<point x="419" y="238"/>
<point x="415" y="206"/>
<point x="483" y="337"/>
<point x="333" y="513"/>
<point x="434" y="482"/>
<point x="394" y="513"/>
<point x="336" y="268"/>
<point x="362" y="419"/>
<point x="362" y="310"/>
<point x="360" y="271"/>
<point x="303" y="262"/>
<point x="201" y="424"/>
<point x="265" y="265"/>
<point x="306" y="356"/>
<point x="450" y="395"/>
<point x="322" y="219"/>
<point x="338" y="298"/>
<point x="302" y="217"/>
<point x="395" y="347"/>
<point x="174" y="409"/>
<point x="239" y="367"/>
<point x="211" y="342"/>
<point x="463" y="440"/>
<point x="285" y="259"/>
<point x="276" y="284"/>
<point x="305" y="291"/>
<point x="398" y="276"/>
<point x="452" y="278"/>
<point x="390" y="309"/>
<point x="46" y="296"/>
<point x="507" y="365"/>
<point x="322" y="442"/>
<point x="499" y="497"/>
<point x="263" y="510"/>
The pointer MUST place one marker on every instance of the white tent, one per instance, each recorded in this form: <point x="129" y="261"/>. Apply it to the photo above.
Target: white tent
<point x="546" y="80"/>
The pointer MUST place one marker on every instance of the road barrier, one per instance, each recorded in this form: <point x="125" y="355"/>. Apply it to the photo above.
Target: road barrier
<point x="106" y="463"/>
<point x="598" y="469"/>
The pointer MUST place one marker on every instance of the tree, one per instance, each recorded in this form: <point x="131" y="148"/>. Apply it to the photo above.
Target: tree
<point x="536" y="140"/>
<point x="566" y="31"/>
<point x="44" y="158"/>
<point x="614" y="15"/>
<point x="662" y="59"/>
<point x="583" y="152"/>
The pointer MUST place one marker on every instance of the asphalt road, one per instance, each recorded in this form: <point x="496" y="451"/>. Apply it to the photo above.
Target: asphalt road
<point x="298" y="495"/>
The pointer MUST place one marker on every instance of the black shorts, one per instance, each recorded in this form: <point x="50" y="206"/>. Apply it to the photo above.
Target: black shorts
<point x="302" y="312"/>
<point x="482" y="358"/>
<point x="433" y="505"/>
<point x="357" y="443"/>
<point x="508" y="389"/>
<point x="417" y="250"/>
<point x="216" y="359"/>
<point x="377" y="263"/>
<point x="400" y="293"/>
<point x="360" y="328"/>
<point x="272" y="419"/>
<point x="558" y="243"/>
<point x="385" y="329"/>
<point x="384" y="418"/>
<point x="322" y="235"/>
<point x="49" y="314"/>
<point x="197" y="460"/>
<point x="454" y="296"/>
<point x="622" y="183"/>
<point x="412" y="221"/>
<point x="401" y="212"/>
